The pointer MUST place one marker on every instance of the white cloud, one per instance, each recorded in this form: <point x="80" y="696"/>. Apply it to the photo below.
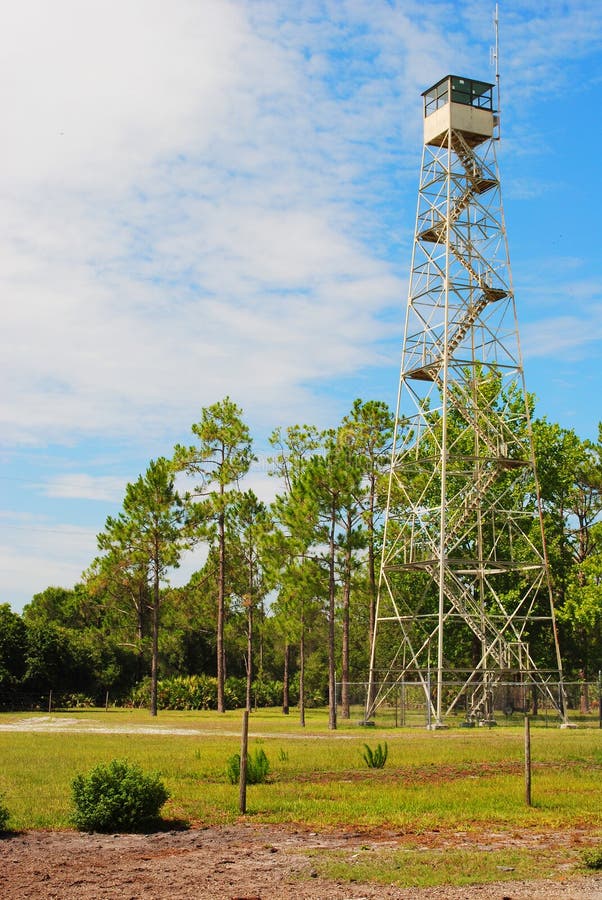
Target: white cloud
<point x="35" y="554"/>
<point x="82" y="486"/>
<point x="188" y="199"/>
<point x="99" y="89"/>
<point x="566" y="307"/>
<point x="569" y="336"/>
<point x="179" y="231"/>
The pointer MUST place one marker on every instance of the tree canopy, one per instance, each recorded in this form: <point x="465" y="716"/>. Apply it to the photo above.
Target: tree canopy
<point x="283" y="602"/>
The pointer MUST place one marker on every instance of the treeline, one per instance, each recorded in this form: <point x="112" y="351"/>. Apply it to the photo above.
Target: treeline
<point x="284" y="605"/>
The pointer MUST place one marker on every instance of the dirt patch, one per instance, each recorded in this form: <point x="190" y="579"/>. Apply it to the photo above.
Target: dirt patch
<point x="249" y="862"/>
<point x="435" y="774"/>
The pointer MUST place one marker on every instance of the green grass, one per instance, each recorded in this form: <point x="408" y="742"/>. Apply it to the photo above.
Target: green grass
<point x="428" y="867"/>
<point x="448" y="780"/>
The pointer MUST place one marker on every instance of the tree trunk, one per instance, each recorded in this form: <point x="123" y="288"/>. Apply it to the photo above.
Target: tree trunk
<point x="261" y="630"/>
<point x="372" y="590"/>
<point x="332" y="688"/>
<point x="535" y="701"/>
<point x="221" y="603"/>
<point x="250" y="633"/>
<point x="345" y="712"/>
<point x="155" y="646"/>
<point x="302" y="674"/>
<point x="371" y="563"/>
<point x="249" y="653"/>
<point x="286" y="680"/>
<point x="583" y="694"/>
<point x="140" y="604"/>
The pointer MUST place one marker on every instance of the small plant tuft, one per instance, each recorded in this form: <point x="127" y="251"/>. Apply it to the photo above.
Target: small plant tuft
<point x="283" y="755"/>
<point x="117" y="797"/>
<point x="233" y="768"/>
<point x="4" y="817"/>
<point x="375" y="759"/>
<point x="258" y="767"/>
<point x="592" y="859"/>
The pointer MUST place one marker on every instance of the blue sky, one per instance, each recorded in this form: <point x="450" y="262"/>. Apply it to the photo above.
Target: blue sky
<point x="205" y="197"/>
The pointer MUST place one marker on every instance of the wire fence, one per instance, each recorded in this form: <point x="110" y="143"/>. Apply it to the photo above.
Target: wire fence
<point x="46" y="701"/>
<point x="403" y="704"/>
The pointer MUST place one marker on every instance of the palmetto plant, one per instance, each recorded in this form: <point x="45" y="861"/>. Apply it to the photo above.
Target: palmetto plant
<point x="258" y="767"/>
<point x="375" y="759"/>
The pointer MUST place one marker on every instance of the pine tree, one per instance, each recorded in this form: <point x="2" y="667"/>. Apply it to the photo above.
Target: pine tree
<point x="221" y="458"/>
<point x="150" y="534"/>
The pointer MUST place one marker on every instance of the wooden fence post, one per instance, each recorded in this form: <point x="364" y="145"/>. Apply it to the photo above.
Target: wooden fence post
<point x="242" y="796"/>
<point x="527" y="761"/>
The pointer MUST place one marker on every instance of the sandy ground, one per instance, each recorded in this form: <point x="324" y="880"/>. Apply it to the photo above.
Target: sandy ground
<point x="239" y="862"/>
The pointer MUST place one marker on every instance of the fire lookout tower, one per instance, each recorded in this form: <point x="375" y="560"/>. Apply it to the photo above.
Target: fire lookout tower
<point x="465" y="604"/>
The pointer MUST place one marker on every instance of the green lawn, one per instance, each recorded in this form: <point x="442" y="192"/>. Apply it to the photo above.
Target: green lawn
<point x="460" y="778"/>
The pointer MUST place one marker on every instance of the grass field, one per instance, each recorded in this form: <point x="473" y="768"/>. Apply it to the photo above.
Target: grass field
<point x="458" y="780"/>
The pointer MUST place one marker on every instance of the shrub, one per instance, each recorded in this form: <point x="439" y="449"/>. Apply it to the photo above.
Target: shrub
<point x="592" y="859"/>
<point x="117" y="797"/>
<point x="235" y="692"/>
<point x="76" y="701"/>
<point x="269" y="693"/>
<point x="4" y="817"/>
<point x="200" y="692"/>
<point x="376" y="759"/>
<point x="258" y="767"/>
<point x="187" y="692"/>
<point x="233" y="768"/>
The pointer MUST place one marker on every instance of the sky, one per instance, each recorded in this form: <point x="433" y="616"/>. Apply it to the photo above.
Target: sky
<point x="205" y="198"/>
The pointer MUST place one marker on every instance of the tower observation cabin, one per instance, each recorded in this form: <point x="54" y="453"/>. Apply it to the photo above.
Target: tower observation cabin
<point x="459" y="104"/>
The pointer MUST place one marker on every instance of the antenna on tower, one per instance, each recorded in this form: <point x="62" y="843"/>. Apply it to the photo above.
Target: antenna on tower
<point x="495" y="61"/>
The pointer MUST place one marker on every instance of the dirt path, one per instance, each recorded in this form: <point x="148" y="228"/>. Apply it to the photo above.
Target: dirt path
<point x="240" y="862"/>
<point x="72" y="725"/>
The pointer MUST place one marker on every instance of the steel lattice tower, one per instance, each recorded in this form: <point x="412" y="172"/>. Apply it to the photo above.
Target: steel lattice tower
<point x="464" y="590"/>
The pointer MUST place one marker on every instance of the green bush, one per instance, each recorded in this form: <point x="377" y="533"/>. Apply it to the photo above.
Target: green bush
<point x="75" y="701"/>
<point x="258" y="767"/>
<point x="187" y="692"/>
<point x="376" y="759"/>
<point x="267" y="692"/>
<point x="4" y="816"/>
<point x="233" y="768"/>
<point x="592" y="859"/>
<point x="235" y="692"/>
<point x="117" y="797"/>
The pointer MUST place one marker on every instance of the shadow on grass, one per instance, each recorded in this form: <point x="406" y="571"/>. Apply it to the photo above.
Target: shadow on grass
<point x="164" y="825"/>
<point x="156" y="826"/>
<point x="150" y="826"/>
